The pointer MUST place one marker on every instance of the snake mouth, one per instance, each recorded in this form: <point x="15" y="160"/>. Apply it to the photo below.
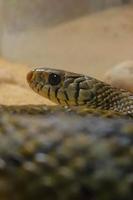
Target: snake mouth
<point x="29" y="76"/>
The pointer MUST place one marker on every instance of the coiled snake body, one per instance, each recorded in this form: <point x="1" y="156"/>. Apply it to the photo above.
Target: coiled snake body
<point x="71" y="89"/>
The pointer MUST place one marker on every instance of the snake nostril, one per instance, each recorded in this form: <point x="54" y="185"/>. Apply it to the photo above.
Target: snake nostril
<point x="29" y="76"/>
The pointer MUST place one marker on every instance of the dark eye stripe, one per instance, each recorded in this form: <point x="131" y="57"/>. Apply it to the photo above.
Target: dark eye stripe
<point x="66" y="102"/>
<point x="49" y="93"/>
<point x="56" y="95"/>
<point x="77" y="90"/>
<point x="66" y="95"/>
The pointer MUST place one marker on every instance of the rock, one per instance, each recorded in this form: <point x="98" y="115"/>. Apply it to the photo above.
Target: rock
<point x="121" y="76"/>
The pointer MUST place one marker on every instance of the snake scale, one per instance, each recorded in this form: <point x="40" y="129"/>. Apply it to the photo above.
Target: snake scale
<point x="51" y="152"/>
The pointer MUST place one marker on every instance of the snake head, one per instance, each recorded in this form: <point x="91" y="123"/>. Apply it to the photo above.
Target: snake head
<point x="71" y="89"/>
<point x="57" y="85"/>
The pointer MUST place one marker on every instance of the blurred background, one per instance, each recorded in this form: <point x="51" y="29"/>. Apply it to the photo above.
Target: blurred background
<point x="87" y="36"/>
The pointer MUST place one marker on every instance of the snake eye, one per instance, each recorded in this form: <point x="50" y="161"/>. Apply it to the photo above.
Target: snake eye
<point x="54" y="79"/>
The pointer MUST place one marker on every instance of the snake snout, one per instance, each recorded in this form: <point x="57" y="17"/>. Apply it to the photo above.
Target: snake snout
<point x="29" y="76"/>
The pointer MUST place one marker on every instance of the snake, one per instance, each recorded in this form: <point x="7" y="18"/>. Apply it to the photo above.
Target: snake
<point x="53" y="152"/>
<point x="72" y="89"/>
<point x="64" y="156"/>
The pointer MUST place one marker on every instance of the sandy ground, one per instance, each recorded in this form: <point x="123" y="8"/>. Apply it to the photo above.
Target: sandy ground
<point x="14" y="88"/>
<point x="89" y="45"/>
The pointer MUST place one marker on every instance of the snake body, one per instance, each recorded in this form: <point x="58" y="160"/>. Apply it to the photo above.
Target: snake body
<point x="72" y="89"/>
<point x="65" y="156"/>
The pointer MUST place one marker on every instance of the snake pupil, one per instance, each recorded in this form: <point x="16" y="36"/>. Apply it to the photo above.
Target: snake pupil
<point x="54" y="79"/>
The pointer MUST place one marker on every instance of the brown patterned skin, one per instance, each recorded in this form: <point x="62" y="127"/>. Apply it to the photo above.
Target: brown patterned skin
<point x="71" y="89"/>
<point x="64" y="156"/>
